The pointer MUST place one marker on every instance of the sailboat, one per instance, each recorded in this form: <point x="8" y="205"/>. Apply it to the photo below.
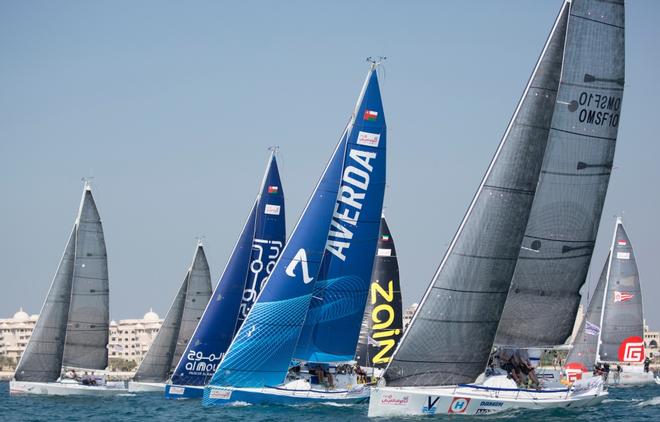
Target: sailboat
<point x="613" y="329"/>
<point x="311" y="309"/>
<point x="72" y="330"/>
<point x="258" y="248"/>
<point x="180" y="322"/>
<point x="382" y="324"/>
<point x="449" y="341"/>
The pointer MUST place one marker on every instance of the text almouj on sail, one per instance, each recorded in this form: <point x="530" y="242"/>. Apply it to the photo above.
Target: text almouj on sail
<point x="612" y="331"/>
<point x="180" y="322"/>
<point x="311" y="309"/>
<point x="382" y="324"/>
<point x="70" y="340"/>
<point x="250" y="264"/>
<point x="449" y="341"/>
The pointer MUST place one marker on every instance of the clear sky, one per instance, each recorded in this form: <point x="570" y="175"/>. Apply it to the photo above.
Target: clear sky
<point x="171" y="107"/>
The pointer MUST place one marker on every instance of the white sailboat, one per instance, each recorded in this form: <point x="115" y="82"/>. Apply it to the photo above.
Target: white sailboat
<point x="449" y="340"/>
<point x="72" y="331"/>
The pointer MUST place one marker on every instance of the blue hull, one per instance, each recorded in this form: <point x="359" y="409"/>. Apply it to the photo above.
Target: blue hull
<point x="278" y="396"/>
<point x="183" y="391"/>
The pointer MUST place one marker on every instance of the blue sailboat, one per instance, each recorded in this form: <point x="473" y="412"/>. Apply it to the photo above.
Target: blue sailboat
<point x="258" y="248"/>
<point x="311" y="310"/>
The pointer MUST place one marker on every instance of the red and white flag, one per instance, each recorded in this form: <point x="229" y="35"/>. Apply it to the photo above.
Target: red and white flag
<point x="622" y="242"/>
<point x="622" y="296"/>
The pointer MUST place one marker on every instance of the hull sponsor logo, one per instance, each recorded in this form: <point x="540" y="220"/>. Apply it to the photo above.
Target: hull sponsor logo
<point x="177" y="390"/>
<point x="216" y="393"/>
<point x="491" y="403"/>
<point x="392" y="400"/>
<point x="632" y="350"/>
<point x="430" y="408"/>
<point x="458" y="405"/>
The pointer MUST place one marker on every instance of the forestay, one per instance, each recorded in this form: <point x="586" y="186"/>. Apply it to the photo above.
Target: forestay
<point x="561" y="232"/>
<point x="451" y="335"/>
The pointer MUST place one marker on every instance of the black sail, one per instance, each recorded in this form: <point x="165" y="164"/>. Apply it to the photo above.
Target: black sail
<point x="451" y="335"/>
<point x="622" y="319"/>
<point x="382" y="325"/>
<point x="561" y="232"/>
<point x="42" y="359"/>
<point x="586" y="339"/>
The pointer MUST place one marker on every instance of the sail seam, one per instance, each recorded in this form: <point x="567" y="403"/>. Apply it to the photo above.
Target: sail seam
<point x="583" y="134"/>
<point x="597" y="21"/>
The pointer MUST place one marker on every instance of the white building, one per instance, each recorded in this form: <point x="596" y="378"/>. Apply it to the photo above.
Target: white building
<point x="130" y="338"/>
<point x="15" y="333"/>
<point x="651" y="341"/>
<point x="408" y="314"/>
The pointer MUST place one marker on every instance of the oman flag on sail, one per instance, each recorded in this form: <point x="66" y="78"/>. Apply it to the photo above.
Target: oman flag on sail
<point x="370" y="115"/>
<point x="622" y="242"/>
<point x="622" y="296"/>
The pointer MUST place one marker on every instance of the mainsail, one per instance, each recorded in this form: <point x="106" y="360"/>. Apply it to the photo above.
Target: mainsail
<point x="451" y="335"/>
<point x="86" y="343"/>
<point x="622" y="323"/>
<point x="563" y="224"/>
<point x="188" y="303"/>
<point x="586" y="339"/>
<point x="338" y="227"/>
<point x="382" y="323"/>
<point x="258" y="248"/>
<point x="83" y="266"/>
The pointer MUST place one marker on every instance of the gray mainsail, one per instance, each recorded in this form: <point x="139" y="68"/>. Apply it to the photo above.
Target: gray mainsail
<point x="157" y="362"/>
<point x="562" y="228"/>
<point x="198" y="293"/>
<point x="586" y="339"/>
<point x="451" y="335"/>
<point x="179" y="323"/>
<point x="87" y="329"/>
<point x="42" y="359"/>
<point x="622" y="306"/>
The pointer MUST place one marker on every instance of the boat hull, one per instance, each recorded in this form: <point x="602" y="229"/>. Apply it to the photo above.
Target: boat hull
<point x="475" y="400"/>
<point x="145" y="387"/>
<point x="178" y="392"/>
<point x="218" y="396"/>
<point x="64" y="389"/>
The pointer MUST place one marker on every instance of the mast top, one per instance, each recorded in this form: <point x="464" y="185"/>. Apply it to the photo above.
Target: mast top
<point x="200" y="241"/>
<point x="375" y="62"/>
<point x="274" y="149"/>
<point x="87" y="182"/>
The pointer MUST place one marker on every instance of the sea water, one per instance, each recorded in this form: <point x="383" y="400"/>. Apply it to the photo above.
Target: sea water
<point x="623" y="404"/>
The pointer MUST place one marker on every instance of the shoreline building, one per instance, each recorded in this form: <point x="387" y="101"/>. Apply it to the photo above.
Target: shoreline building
<point x="15" y="333"/>
<point x="408" y="315"/>
<point x="130" y="339"/>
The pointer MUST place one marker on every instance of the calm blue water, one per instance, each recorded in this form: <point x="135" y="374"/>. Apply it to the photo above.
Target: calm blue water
<point x="632" y="404"/>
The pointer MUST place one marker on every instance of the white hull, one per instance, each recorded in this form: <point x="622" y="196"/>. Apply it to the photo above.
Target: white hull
<point x="477" y="400"/>
<point x="65" y="389"/>
<point x="146" y="387"/>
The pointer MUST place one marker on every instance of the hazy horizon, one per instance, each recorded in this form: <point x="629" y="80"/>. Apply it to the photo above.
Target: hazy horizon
<point x="172" y="107"/>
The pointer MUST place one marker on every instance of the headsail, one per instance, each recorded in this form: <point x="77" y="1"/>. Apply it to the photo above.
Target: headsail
<point x="382" y="323"/>
<point x="180" y="321"/>
<point x="622" y="323"/>
<point x="261" y="351"/>
<point x="586" y="339"/>
<point x="561" y="232"/>
<point x="258" y="248"/>
<point x="450" y="337"/>
<point x="42" y="359"/>
<point x="89" y="316"/>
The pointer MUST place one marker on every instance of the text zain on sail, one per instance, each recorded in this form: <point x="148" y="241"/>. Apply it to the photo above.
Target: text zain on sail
<point x="355" y="182"/>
